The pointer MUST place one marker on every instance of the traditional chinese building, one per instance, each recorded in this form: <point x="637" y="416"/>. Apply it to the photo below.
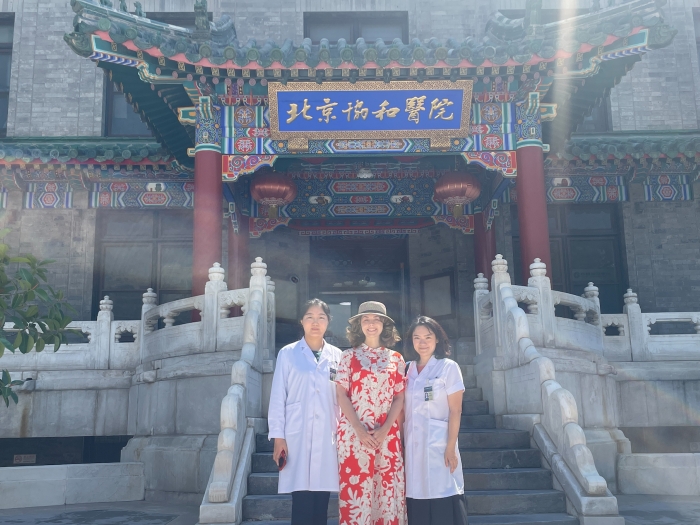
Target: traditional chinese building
<point x="383" y="155"/>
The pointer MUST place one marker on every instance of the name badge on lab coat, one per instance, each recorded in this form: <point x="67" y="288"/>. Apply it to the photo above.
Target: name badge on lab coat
<point x="428" y="393"/>
<point x="333" y="372"/>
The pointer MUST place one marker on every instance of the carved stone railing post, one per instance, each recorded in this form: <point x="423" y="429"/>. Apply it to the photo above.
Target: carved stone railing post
<point x="500" y="276"/>
<point x="481" y="288"/>
<point x="243" y="386"/>
<point x="271" y="325"/>
<point x="545" y="311"/>
<point x="102" y="338"/>
<point x="150" y="301"/>
<point x="591" y="292"/>
<point x="210" y="308"/>
<point x="638" y="331"/>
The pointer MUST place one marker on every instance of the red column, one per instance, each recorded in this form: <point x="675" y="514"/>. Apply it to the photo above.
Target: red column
<point x="208" y="216"/>
<point x="532" y="209"/>
<point x="484" y="246"/>
<point x="238" y="258"/>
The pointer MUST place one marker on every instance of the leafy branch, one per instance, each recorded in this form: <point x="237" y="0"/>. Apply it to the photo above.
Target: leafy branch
<point x="37" y="311"/>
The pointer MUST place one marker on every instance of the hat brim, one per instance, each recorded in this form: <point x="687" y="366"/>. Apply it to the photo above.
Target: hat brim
<point x="371" y="313"/>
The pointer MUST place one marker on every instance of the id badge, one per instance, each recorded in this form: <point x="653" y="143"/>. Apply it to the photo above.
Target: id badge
<point x="333" y="373"/>
<point x="428" y="393"/>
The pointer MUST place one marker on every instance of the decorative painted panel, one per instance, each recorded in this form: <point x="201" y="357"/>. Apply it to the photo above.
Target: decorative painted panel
<point x="668" y="187"/>
<point x="593" y="189"/>
<point x="142" y="195"/>
<point x="43" y="195"/>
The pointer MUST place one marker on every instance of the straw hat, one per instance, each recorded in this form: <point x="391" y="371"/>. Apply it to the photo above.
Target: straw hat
<point x="371" y="307"/>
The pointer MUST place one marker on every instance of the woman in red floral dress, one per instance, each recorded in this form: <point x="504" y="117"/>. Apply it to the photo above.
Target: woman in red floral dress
<point x="370" y="385"/>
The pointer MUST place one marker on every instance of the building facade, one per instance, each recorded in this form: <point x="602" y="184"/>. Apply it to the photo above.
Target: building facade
<point x="144" y="143"/>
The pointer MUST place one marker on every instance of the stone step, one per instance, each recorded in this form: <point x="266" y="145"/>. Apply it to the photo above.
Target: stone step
<point x="494" y="459"/>
<point x="260" y="483"/>
<point x="279" y="506"/>
<point x="468" y="439"/>
<point x="487" y="421"/>
<point x="333" y="521"/>
<point x="493" y="439"/>
<point x="262" y="444"/>
<point x="475" y="408"/>
<point x="467" y="370"/>
<point x="471" y="459"/>
<point x="512" y="519"/>
<point x="472" y="394"/>
<point x="515" y="501"/>
<point x="507" y="479"/>
<point x="520" y="519"/>
<point x="465" y="358"/>
<point x="263" y="483"/>
<point x="262" y="462"/>
<point x="469" y="381"/>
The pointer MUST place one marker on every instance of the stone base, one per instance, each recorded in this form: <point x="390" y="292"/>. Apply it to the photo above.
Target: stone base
<point x="601" y="520"/>
<point x="70" y="484"/>
<point x="667" y="474"/>
<point x="176" y="468"/>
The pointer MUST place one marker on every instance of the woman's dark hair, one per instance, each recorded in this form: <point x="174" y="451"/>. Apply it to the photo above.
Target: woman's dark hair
<point x="316" y="302"/>
<point x="388" y="338"/>
<point x="442" y="349"/>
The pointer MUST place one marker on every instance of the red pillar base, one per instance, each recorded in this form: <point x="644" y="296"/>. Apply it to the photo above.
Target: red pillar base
<point x="484" y="246"/>
<point x="532" y="209"/>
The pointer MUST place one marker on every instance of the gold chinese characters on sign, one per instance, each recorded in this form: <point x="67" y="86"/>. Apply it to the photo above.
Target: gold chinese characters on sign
<point x="435" y="110"/>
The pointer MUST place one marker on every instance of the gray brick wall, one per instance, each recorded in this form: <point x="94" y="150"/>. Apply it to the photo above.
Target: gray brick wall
<point x="66" y="236"/>
<point x="662" y="242"/>
<point x="661" y="92"/>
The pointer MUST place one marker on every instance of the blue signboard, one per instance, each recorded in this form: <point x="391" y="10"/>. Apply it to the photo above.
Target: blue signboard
<point x="438" y="110"/>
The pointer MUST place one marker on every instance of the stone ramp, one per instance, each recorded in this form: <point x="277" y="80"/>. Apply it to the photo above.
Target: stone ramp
<point x="503" y="474"/>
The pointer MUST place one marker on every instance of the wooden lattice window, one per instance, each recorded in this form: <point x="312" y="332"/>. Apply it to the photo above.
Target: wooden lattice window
<point x="386" y="25"/>
<point x="120" y="118"/>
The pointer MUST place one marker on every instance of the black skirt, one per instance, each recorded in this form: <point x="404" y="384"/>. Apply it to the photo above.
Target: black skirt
<point x="441" y="511"/>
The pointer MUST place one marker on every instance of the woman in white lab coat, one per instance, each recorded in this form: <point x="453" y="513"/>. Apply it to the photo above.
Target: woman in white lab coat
<point x="434" y="478"/>
<point x="303" y="418"/>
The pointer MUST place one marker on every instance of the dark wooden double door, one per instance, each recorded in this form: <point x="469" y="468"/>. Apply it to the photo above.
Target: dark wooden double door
<point x="347" y="272"/>
<point x="587" y="246"/>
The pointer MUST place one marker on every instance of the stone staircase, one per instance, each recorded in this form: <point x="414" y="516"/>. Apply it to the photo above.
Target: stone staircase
<point x="504" y="478"/>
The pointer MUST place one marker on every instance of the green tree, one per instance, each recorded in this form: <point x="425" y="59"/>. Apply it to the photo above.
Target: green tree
<point x="36" y="311"/>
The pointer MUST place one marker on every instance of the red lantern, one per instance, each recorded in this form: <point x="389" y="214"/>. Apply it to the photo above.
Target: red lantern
<point x="272" y="189"/>
<point x="457" y="189"/>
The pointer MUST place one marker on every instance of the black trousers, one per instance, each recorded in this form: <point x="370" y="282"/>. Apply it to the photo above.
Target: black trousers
<point x="310" y="507"/>
<point x="443" y="511"/>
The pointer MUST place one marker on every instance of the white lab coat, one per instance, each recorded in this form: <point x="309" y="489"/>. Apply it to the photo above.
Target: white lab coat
<point x="304" y="411"/>
<point x="426" y="430"/>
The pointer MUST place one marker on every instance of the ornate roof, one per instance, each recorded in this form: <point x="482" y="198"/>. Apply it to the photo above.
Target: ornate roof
<point x="506" y="43"/>
<point x="82" y="150"/>
<point x="632" y="145"/>
<point x="585" y="55"/>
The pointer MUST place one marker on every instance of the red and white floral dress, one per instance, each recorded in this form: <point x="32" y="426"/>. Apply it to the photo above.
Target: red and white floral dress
<point x="372" y="483"/>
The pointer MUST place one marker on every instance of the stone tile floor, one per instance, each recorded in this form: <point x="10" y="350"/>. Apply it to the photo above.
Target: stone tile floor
<point x="125" y="513"/>
<point x="637" y="510"/>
